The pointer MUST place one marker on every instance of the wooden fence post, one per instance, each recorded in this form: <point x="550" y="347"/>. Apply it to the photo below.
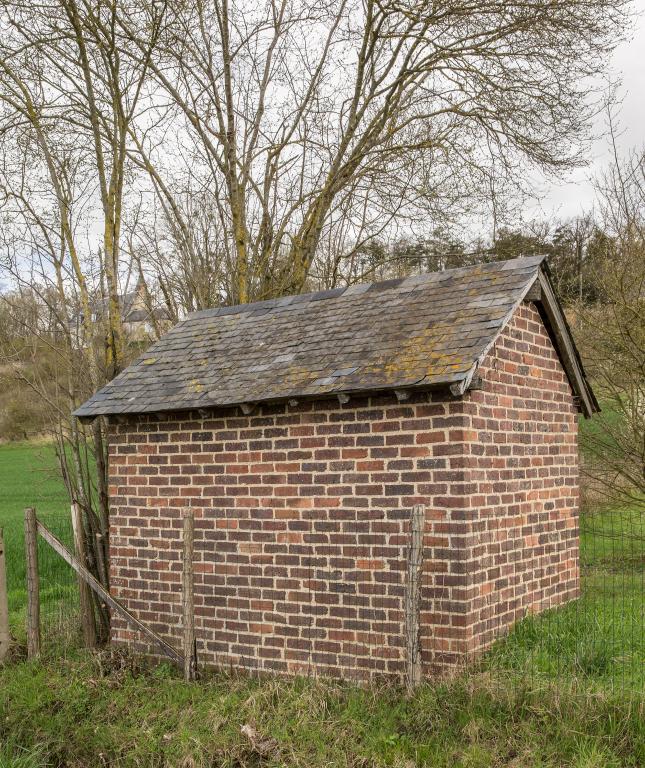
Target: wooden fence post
<point x="104" y="579"/>
<point x="413" y="597"/>
<point x="33" y="589"/>
<point x="5" y="635"/>
<point x="85" y="597"/>
<point x="188" y="597"/>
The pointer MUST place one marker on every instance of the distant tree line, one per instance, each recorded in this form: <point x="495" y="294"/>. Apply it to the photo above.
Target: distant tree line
<point x="573" y="248"/>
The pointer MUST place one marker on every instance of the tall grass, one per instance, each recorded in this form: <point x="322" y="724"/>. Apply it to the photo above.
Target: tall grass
<point x="135" y="717"/>
<point x="12" y="756"/>
<point x="601" y="636"/>
<point x="29" y="478"/>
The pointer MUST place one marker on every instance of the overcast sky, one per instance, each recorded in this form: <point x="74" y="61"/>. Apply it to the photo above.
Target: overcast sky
<point x="576" y="194"/>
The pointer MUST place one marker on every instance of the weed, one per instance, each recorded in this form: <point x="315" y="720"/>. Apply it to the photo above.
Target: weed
<point x="12" y="756"/>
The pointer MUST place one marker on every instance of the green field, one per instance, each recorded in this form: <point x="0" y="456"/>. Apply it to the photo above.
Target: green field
<point x="565" y="689"/>
<point x="29" y="477"/>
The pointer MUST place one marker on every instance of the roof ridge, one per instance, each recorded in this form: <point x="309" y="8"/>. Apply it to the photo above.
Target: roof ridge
<point x="354" y="288"/>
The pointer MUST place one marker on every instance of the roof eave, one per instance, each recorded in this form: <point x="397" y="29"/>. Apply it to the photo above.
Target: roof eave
<point x="450" y="385"/>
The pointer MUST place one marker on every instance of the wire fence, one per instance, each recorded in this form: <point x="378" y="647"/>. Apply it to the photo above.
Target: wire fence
<point x="598" y="638"/>
<point x="327" y="597"/>
<point x="59" y="604"/>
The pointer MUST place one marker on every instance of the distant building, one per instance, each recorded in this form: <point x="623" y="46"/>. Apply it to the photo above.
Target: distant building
<point x="137" y="317"/>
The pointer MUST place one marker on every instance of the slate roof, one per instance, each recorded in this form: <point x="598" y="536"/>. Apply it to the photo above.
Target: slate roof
<point x="418" y="332"/>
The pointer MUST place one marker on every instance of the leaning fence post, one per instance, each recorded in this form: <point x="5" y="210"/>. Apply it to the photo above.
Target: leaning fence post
<point x="5" y="635"/>
<point x="104" y="577"/>
<point x="413" y="597"/>
<point x="188" y="597"/>
<point x="100" y="557"/>
<point x="33" y="594"/>
<point x="85" y="598"/>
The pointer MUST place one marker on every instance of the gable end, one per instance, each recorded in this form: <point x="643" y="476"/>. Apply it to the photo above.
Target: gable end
<point x="556" y="324"/>
<point x="541" y="293"/>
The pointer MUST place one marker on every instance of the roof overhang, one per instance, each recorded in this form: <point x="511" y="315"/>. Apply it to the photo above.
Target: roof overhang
<point x="541" y="293"/>
<point x="401" y="392"/>
<point x="558" y="328"/>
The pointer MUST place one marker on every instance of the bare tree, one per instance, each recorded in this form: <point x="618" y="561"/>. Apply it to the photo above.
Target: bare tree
<point x="239" y="151"/>
<point x="67" y="101"/>
<point x="612" y="333"/>
<point x="64" y="77"/>
<point x="310" y="115"/>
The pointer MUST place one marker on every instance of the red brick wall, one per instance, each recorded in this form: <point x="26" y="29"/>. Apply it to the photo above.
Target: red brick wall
<point x="521" y="448"/>
<point x="302" y="519"/>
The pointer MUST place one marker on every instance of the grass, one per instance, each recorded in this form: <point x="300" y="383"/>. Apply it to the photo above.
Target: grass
<point x="78" y="709"/>
<point x="29" y="478"/>
<point x="601" y="636"/>
<point x="18" y="757"/>
<point x="560" y="691"/>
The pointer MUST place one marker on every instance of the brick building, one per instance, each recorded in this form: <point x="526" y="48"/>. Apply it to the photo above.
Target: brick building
<point x="303" y="430"/>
